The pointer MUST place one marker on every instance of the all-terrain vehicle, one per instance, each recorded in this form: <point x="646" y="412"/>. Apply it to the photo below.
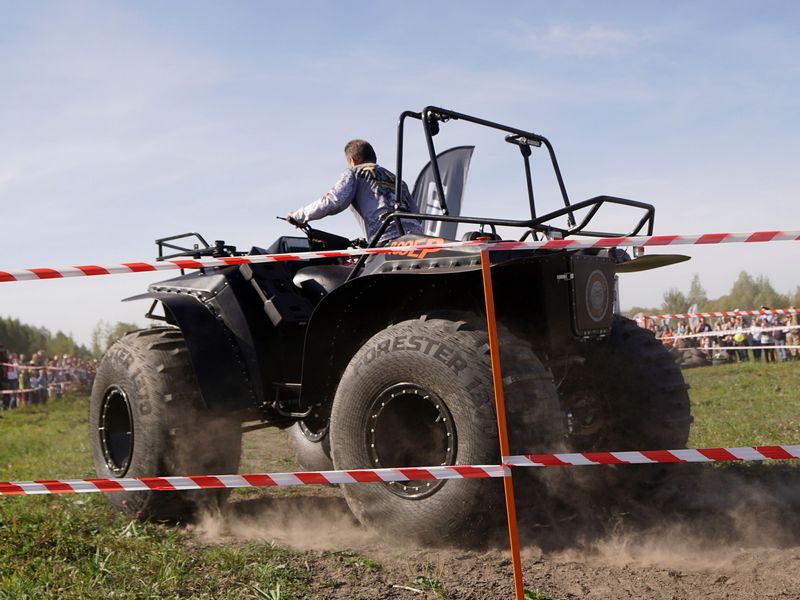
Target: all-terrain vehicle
<point x="383" y="361"/>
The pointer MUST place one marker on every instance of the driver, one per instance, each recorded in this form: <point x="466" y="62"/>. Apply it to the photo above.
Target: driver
<point x="368" y="189"/>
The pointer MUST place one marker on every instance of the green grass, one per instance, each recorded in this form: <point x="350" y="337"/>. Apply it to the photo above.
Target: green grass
<point x="76" y="546"/>
<point x="745" y="404"/>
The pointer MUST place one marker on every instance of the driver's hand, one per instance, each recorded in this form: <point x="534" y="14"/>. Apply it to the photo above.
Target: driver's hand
<point x="290" y="218"/>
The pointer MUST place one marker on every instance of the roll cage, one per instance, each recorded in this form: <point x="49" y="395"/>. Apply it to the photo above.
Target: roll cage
<point x="432" y="117"/>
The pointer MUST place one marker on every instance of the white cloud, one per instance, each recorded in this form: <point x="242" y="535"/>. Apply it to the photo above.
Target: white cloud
<point x="570" y="40"/>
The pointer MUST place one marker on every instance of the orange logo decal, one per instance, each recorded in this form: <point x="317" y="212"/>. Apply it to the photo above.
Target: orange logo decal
<point x="422" y="253"/>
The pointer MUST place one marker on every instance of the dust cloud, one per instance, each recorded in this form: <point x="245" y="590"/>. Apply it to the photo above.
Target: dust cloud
<point x="718" y="531"/>
<point x="697" y="516"/>
<point x="299" y="522"/>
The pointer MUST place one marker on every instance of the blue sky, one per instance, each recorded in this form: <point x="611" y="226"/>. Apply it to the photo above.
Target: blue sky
<point x="123" y="122"/>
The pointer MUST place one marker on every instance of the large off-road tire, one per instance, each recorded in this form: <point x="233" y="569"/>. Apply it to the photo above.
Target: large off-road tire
<point x="628" y="395"/>
<point x="419" y="393"/>
<point x="146" y="418"/>
<point x="311" y="446"/>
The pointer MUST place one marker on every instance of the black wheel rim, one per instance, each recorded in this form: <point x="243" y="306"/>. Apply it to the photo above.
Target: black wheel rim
<point x="409" y="426"/>
<point x="312" y="432"/>
<point x="115" y="430"/>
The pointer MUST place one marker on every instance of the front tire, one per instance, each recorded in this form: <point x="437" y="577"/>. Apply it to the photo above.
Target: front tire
<point x="147" y="418"/>
<point x="419" y="393"/>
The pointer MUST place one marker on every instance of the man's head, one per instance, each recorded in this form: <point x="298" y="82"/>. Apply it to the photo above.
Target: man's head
<point x="358" y="152"/>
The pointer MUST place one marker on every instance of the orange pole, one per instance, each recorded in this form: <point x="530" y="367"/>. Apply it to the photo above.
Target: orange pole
<point x="497" y="379"/>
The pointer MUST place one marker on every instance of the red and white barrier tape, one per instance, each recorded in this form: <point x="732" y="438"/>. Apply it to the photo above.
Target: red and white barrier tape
<point x="648" y="457"/>
<point x="724" y="332"/>
<point x="130" y="484"/>
<point x="33" y="367"/>
<point x="51" y="386"/>
<point x="15" y="392"/>
<point x="255" y="480"/>
<point x="572" y="243"/>
<point x="715" y="348"/>
<point x="727" y="313"/>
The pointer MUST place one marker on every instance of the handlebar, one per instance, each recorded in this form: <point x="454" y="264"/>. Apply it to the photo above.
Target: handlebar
<point x="323" y="240"/>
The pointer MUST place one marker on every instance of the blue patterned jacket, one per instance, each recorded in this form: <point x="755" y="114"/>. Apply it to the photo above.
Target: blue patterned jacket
<point x="368" y="189"/>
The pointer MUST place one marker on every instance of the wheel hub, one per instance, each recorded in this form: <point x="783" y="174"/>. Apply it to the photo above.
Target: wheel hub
<point x="115" y="430"/>
<point x="312" y="431"/>
<point x="587" y="418"/>
<point x="410" y="426"/>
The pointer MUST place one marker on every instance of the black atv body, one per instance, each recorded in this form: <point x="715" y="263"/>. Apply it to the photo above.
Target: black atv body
<point x="276" y="337"/>
<point x="383" y="361"/>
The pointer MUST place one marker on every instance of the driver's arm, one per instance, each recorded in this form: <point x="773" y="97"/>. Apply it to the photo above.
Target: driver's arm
<point x="339" y="197"/>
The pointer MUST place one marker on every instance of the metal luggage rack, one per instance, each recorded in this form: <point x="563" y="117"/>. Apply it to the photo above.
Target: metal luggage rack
<point x="196" y="251"/>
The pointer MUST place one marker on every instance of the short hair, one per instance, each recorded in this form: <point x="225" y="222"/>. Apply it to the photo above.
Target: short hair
<point x="360" y="151"/>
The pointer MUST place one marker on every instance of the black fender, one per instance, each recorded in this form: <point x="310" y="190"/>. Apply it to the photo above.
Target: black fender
<point x="216" y="349"/>
<point x="352" y="313"/>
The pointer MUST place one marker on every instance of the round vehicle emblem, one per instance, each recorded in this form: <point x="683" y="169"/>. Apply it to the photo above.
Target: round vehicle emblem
<point x="597" y="295"/>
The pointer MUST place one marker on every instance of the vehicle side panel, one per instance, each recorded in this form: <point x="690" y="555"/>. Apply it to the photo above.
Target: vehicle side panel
<point x="528" y="298"/>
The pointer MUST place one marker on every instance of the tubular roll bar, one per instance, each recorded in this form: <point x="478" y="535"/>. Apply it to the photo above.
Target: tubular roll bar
<point x="431" y="117"/>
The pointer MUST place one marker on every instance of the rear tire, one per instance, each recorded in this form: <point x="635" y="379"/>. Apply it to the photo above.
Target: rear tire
<point x="420" y="393"/>
<point x="147" y="418"/>
<point x="312" y="447"/>
<point x="629" y="395"/>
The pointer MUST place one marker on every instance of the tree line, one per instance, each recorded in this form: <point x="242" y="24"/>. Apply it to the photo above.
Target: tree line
<point x="27" y="339"/>
<point x="747" y="293"/>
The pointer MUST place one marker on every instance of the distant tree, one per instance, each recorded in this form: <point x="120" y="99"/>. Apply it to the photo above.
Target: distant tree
<point x="118" y="330"/>
<point x="99" y="338"/>
<point x="747" y="292"/>
<point x="794" y="297"/>
<point x="674" y="301"/>
<point x="766" y="295"/>
<point x="62" y="343"/>
<point x="697" y="295"/>
<point x="105" y="334"/>
<point x="743" y="292"/>
<point x="22" y="338"/>
<point x="634" y="310"/>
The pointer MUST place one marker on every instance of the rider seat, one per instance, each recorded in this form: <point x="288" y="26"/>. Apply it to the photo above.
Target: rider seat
<point x="319" y="280"/>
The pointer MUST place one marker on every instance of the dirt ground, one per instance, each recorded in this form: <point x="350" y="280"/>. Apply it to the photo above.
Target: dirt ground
<point x="702" y="532"/>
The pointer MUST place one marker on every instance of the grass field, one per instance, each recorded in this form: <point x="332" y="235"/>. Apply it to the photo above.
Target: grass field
<point x="745" y="404"/>
<point x="75" y="546"/>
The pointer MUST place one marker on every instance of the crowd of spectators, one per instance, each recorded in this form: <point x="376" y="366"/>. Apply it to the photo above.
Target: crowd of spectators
<point x="729" y="339"/>
<point x="27" y="380"/>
